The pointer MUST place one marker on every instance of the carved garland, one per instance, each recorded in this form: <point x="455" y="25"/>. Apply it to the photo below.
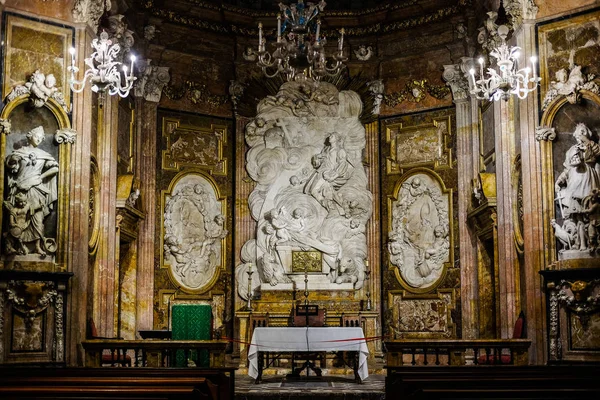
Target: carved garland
<point x="196" y="92"/>
<point x="415" y="92"/>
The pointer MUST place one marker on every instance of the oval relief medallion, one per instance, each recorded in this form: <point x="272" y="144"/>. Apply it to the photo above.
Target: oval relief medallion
<point x="194" y="233"/>
<point x="419" y="242"/>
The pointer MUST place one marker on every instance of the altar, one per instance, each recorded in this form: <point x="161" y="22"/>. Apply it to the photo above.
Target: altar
<point x="307" y="339"/>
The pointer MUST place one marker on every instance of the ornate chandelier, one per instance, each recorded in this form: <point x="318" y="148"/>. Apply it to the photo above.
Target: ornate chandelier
<point x="508" y="79"/>
<point x="299" y="53"/>
<point x="103" y="71"/>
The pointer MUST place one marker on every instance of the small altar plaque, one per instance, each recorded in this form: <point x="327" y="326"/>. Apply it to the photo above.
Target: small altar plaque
<point x="309" y="261"/>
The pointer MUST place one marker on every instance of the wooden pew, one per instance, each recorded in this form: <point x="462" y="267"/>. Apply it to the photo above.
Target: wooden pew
<point x="493" y="381"/>
<point x="117" y="383"/>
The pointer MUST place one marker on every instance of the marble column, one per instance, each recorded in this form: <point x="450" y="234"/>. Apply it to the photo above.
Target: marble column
<point x="467" y="153"/>
<point x="147" y="100"/>
<point x="79" y="209"/>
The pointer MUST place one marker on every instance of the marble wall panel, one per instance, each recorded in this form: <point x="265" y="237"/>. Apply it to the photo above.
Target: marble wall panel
<point x="32" y="45"/>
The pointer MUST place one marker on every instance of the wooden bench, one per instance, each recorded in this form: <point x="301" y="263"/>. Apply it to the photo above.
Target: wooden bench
<point x="492" y="381"/>
<point x="117" y="383"/>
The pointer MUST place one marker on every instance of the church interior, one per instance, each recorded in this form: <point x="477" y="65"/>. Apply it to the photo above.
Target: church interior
<point x="216" y="199"/>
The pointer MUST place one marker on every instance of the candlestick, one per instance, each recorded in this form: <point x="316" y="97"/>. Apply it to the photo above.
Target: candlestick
<point x="318" y="30"/>
<point x="341" y="41"/>
<point x="367" y="275"/>
<point x="278" y="28"/>
<point x="249" y="302"/>
<point x="72" y="51"/>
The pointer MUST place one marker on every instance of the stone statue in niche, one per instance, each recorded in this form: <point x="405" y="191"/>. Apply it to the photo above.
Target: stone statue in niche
<point x="194" y="229"/>
<point x="578" y="197"/>
<point x="419" y="241"/>
<point x="306" y="145"/>
<point x="32" y="192"/>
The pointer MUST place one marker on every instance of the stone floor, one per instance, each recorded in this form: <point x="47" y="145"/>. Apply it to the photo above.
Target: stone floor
<point x="338" y="387"/>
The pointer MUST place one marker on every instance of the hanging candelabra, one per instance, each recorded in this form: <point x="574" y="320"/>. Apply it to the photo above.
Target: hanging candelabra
<point x="508" y="79"/>
<point x="300" y="48"/>
<point x="104" y="73"/>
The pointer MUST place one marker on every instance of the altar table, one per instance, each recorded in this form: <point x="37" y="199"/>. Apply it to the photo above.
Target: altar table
<point x="303" y="339"/>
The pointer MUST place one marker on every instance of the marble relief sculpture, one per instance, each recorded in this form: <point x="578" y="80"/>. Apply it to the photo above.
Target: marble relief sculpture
<point x="419" y="242"/>
<point x="569" y="84"/>
<point x="30" y="197"/>
<point x="311" y="194"/>
<point x="578" y="197"/>
<point x="194" y="229"/>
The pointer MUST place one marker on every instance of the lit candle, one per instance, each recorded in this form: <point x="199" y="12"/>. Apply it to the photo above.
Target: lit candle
<point x="131" y="68"/>
<point x="250" y="268"/>
<point x="341" y="41"/>
<point x="533" y="60"/>
<point x="481" y="67"/>
<point x="260" y="36"/>
<point x="472" y="72"/>
<point x="72" y="51"/>
<point x="278" y="28"/>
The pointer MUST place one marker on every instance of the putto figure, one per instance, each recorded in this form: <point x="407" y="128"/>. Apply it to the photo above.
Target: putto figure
<point x="32" y="191"/>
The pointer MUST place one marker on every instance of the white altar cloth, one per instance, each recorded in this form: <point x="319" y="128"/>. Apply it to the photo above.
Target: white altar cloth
<point x="299" y="339"/>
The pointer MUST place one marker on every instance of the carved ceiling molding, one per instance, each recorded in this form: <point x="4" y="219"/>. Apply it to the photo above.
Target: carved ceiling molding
<point x="195" y="22"/>
<point x="416" y="91"/>
<point x="389" y="6"/>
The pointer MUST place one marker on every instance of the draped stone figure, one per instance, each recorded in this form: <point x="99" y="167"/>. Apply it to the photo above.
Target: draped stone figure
<point x="32" y="192"/>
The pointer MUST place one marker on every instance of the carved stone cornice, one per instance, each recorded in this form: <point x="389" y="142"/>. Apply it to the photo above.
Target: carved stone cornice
<point x="152" y="81"/>
<point x="90" y="11"/>
<point x="430" y="15"/>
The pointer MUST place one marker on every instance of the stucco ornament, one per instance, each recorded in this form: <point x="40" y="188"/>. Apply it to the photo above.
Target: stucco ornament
<point x="569" y="84"/>
<point x="30" y="198"/>
<point x="376" y="89"/>
<point x="152" y="81"/>
<point x="40" y="88"/>
<point x="419" y="242"/>
<point x="577" y="227"/>
<point x="363" y="53"/>
<point x="311" y="194"/>
<point x="194" y="231"/>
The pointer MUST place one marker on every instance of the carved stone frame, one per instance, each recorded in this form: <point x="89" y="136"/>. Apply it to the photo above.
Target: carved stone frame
<point x="65" y="141"/>
<point x="547" y="120"/>
<point x="220" y="269"/>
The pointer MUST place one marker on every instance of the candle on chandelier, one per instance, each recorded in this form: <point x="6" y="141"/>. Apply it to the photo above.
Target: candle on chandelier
<point x="533" y="60"/>
<point x="260" y="35"/>
<point x="72" y="51"/>
<point x="278" y="28"/>
<point x="318" y="30"/>
<point x="481" y="67"/>
<point x="341" y="41"/>
<point x="131" y="68"/>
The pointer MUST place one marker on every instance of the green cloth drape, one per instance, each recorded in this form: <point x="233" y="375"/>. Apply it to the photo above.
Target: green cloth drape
<point x="191" y="322"/>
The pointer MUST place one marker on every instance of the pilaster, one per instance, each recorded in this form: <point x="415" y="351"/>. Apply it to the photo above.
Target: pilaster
<point x="148" y="93"/>
<point x="467" y="153"/>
